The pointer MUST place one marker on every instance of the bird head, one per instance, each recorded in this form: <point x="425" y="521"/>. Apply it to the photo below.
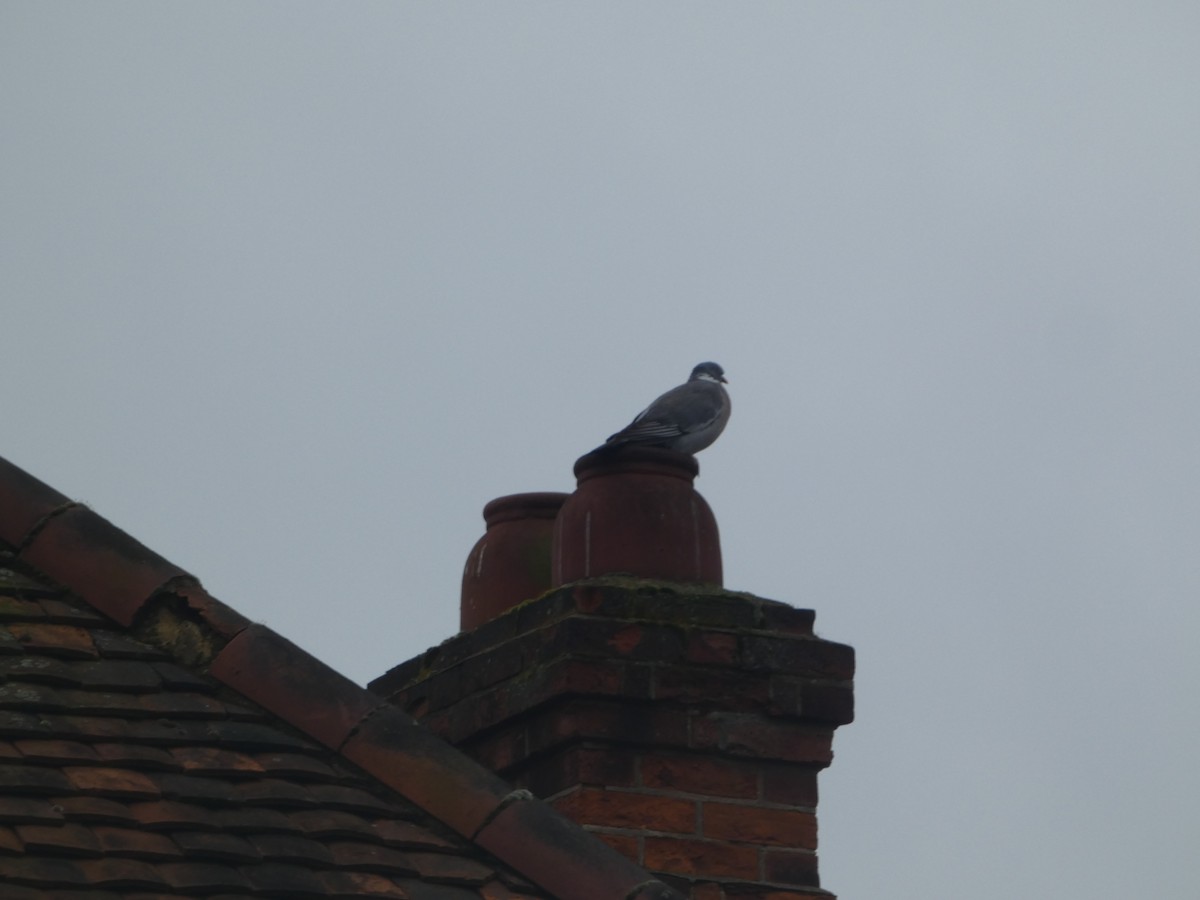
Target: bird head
<point x="708" y="371"/>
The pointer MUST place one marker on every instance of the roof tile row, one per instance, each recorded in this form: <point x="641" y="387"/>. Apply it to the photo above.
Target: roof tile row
<point x="130" y="760"/>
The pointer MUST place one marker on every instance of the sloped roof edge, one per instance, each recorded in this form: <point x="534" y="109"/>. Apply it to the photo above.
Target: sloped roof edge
<point x="168" y="607"/>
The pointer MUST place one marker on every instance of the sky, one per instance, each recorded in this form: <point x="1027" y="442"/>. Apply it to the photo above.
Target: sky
<point x="288" y="291"/>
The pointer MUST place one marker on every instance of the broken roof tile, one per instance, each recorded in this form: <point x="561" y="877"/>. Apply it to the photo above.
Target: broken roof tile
<point x="114" y="645"/>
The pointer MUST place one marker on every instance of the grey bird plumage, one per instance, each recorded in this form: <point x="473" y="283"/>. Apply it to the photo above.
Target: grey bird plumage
<point x="687" y="418"/>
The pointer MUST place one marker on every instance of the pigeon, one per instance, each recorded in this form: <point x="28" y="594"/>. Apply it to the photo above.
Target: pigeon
<point x="687" y="418"/>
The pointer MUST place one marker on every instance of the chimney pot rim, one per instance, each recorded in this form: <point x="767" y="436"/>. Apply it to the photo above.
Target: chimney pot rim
<point x="637" y="460"/>
<point x="532" y="505"/>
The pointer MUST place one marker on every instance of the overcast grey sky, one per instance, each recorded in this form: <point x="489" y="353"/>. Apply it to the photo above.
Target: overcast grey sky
<point x="290" y="290"/>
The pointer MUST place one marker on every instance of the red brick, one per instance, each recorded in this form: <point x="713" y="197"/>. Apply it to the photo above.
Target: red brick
<point x="723" y="688"/>
<point x="610" y="638"/>
<point x="789" y="784"/>
<point x="711" y="859"/>
<point x="779" y="618"/>
<point x="760" y="825"/>
<point x="797" y="867"/>
<point x="578" y="765"/>
<point x="798" y="656"/>
<point x="498" y="750"/>
<point x="746" y="734"/>
<point x="627" y="845"/>
<point x="588" y="676"/>
<point x="626" y="809"/>
<point x="608" y="721"/>
<point x="817" y="701"/>
<point x="700" y="775"/>
<point x="713" y="647"/>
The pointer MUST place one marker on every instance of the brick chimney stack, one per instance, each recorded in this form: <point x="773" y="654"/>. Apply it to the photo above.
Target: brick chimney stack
<point x="681" y="723"/>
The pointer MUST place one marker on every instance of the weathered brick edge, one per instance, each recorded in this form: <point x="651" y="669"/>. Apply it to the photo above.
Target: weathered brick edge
<point x="168" y="607"/>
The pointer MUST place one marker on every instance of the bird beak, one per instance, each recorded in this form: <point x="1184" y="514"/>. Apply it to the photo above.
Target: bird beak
<point x="724" y="380"/>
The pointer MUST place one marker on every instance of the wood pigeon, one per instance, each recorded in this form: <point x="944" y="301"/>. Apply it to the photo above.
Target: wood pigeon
<point x="687" y="418"/>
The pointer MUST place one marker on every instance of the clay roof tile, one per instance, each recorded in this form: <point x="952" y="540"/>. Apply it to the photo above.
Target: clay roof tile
<point x="154" y="742"/>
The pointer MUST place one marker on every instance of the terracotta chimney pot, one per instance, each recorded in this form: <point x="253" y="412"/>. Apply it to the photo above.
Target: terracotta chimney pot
<point x="511" y="562"/>
<point x="635" y="512"/>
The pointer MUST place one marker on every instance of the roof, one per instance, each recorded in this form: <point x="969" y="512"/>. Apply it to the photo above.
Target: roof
<point x="155" y="742"/>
